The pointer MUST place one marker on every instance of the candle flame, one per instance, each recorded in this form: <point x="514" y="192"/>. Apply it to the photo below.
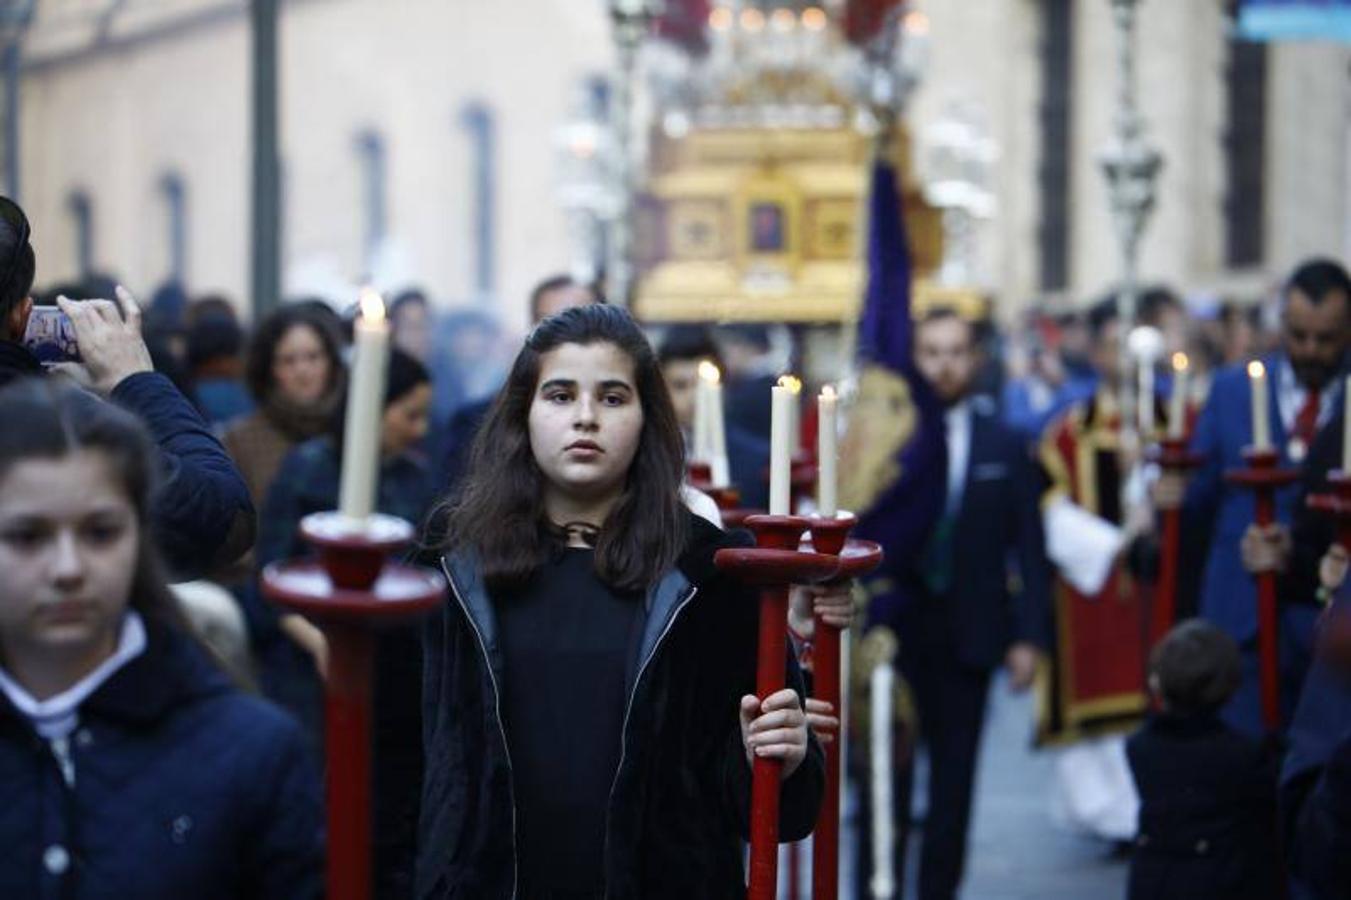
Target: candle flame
<point x="828" y="392"/>
<point x="1180" y="362"/>
<point x="791" y="382"/>
<point x="709" y="372"/>
<point x="372" y="306"/>
<point x="1256" y="369"/>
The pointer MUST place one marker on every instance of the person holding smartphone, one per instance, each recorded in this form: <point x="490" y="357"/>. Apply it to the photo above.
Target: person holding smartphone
<point x="203" y="517"/>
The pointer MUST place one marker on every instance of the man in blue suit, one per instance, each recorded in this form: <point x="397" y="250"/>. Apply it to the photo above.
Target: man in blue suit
<point x="1303" y="395"/>
<point x="964" y="620"/>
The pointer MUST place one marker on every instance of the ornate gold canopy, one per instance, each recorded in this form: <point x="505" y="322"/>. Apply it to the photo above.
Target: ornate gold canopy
<point x="760" y="224"/>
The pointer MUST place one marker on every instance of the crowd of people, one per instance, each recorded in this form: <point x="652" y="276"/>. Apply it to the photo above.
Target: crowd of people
<point x="579" y="717"/>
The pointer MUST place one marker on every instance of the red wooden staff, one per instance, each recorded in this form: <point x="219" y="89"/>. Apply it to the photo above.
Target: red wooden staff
<point x="857" y="558"/>
<point x="349" y="593"/>
<point x="772" y="565"/>
<point x="1263" y="476"/>
<point x="1173" y="457"/>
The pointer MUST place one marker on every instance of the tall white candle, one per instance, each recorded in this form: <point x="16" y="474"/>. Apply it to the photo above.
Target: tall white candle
<point x="1346" y="425"/>
<point x="826" y="476"/>
<point x="1145" y="398"/>
<point x="780" y="448"/>
<point x="794" y="384"/>
<point x="700" y="436"/>
<point x="710" y="379"/>
<point x="365" y="403"/>
<point x="1177" y="410"/>
<point x="1261" y="423"/>
<point x="882" y="683"/>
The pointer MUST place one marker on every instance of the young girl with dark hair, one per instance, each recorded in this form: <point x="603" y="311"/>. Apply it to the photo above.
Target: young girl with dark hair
<point x="132" y="767"/>
<point x="588" y="709"/>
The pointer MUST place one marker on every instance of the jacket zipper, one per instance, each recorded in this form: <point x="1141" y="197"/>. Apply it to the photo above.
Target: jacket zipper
<point x="497" y="707"/>
<point x="628" y="710"/>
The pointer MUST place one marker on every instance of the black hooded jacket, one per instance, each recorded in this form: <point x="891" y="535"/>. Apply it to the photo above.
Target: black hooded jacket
<point x="680" y="806"/>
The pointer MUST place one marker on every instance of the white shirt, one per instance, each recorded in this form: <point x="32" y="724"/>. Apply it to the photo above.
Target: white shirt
<point x="56" y="717"/>
<point x="958" y="422"/>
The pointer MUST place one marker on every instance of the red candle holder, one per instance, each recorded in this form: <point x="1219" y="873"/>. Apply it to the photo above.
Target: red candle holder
<point x="857" y="558"/>
<point x="1263" y="476"/>
<point x="1172" y="456"/>
<point x="1334" y="625"/>
<point x="772" y="565"/>
<point x="349" y="593"/>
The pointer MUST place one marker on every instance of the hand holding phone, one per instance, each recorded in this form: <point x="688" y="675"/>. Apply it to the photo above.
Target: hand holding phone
<point x="109" y="338"/>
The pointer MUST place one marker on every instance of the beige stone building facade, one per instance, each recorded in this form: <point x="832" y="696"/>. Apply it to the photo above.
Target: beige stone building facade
<point x="127" y="105"/>
<point x="112" y="104"/>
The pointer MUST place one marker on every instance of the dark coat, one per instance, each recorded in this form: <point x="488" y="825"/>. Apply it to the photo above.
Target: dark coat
<point x="202" y="515"/>
<point x="459" y="438"/>
<point x="183" y="787"/>
<point x="1316" y="786"/>
<point x="748" y="460"/>
<point x="997" y="540"/>
<point x="1207" y="812"/>
<point x="681" y="798"/>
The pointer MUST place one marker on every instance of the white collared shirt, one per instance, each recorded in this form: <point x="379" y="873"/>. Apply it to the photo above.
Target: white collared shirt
<point x="958" y="422"/>
<point x="56" y="717"/>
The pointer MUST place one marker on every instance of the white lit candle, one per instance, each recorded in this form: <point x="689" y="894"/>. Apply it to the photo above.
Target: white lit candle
<point x="1261" y="423"/>
<point x="1177" y="412"/>
<point x="700" y="436"/>
<point x="794" y="384"/>
<point x="882" y="684"/>
<point x="365" y="404"/>
<point x="781" y="448"/>
<point x="710" y="382"/>
<point x="1346" y="425"/>
<point x="1145" y="400"/>
<point x="826" y="477"/>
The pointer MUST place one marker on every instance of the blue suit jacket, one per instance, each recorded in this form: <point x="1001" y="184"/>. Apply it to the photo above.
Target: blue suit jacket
<point x="997" y="533"/>
<point x="1228" y="593"/>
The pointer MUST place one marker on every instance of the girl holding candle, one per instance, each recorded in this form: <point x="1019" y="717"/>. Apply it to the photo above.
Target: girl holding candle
<point x="589" y="718"/>
<point x="132" y="765"/>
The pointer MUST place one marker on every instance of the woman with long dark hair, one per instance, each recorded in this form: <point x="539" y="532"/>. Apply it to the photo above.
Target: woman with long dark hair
<point x="131" y="765"/>
<point x="295" y="373"/>
<point x="588" y="710"/>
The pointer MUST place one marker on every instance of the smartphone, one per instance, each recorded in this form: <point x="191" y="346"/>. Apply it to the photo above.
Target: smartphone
<point x="50" y="336"/>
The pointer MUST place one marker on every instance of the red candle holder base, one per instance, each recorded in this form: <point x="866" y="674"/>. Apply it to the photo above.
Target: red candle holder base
<point x="350" y="593"/>
<point x="856" y="558"/>
<point x="1173" y="456"/>
<point x="772" y="565"/>
<point x="1264" y="477"/>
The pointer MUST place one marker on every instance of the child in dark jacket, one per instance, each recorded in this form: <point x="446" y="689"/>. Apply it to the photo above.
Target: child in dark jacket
<point x="130" y="766"/>
<point x="1207" y="793"/>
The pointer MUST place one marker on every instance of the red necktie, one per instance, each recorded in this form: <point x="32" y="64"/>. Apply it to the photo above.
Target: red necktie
<point x="1306" y="423"/>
